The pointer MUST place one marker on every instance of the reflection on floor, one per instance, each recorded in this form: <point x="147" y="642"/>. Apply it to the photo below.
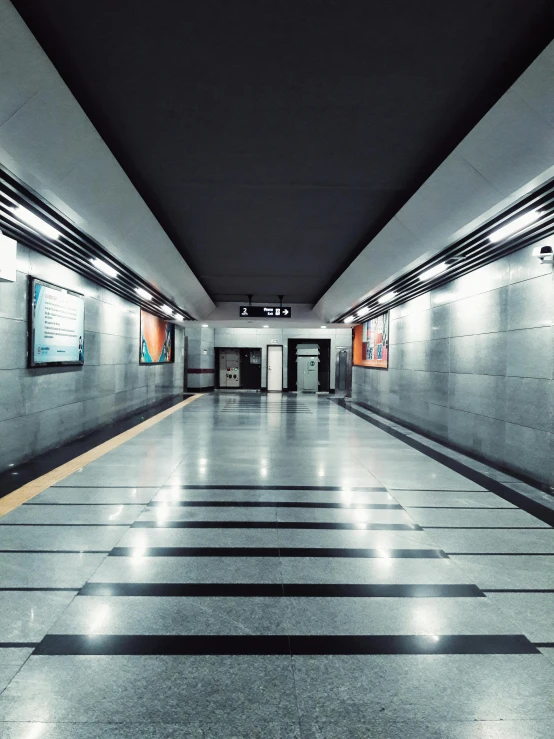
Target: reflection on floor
<point x="276" y="568"/>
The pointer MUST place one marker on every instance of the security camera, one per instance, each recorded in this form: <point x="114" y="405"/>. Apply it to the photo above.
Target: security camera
<point x="544" y="253"/>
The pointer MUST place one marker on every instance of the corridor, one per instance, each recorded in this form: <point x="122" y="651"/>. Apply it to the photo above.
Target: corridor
<point x="278" y="567"/>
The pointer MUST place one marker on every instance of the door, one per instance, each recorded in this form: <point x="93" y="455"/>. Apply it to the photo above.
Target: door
<point x="274" y="369"/>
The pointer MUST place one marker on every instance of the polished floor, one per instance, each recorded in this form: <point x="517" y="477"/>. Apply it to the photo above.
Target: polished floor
<point x="277" y="567"/>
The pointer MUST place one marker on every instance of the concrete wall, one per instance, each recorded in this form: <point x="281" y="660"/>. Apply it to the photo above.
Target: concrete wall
<point x="43" y="408"/>
<point x="472" y="362"/>
<point x="260" y="338"/>
<point x="200" y="357"/>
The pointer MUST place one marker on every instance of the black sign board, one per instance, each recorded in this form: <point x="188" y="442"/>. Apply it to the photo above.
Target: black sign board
<point x="264" y="311"/>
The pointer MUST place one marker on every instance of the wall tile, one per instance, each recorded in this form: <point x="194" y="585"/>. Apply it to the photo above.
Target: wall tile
<point x="462" y="354"/>
<point x="529" y="451"/>
<point x="439" y="355"/>
<point x="531" y="303"/>
<point x="490" y="354"/>
<point x="480" y="314"/>
<point x="529" y="402"/>
<point x="531" y="352"/>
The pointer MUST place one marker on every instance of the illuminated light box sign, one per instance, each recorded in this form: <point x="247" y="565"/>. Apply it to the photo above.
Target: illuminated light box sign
<point x="265" y="311"/>
<point x="371" y="343"/>
<point x="157" y="340"/>
<point x="57" y="335"/>
<point x="8" y="257"/>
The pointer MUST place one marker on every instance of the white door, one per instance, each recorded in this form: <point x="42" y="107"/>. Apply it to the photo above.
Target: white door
<point x="274" y="369"/>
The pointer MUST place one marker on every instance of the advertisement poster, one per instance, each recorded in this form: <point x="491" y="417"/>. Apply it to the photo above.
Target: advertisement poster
<point x="57" y="325"/>
<point x="157" y="339"/>
<point x="371" y="343"/>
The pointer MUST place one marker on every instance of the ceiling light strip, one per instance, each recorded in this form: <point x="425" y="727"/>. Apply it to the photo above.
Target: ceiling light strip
<point x="470" y="253"/>
<point x="72" y="248"/>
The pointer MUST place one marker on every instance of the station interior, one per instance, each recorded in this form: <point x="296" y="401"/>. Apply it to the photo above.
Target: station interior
<point x="276" y="369"/>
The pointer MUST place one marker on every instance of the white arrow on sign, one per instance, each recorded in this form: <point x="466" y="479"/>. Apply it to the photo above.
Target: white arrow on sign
<point x="285" y="312"/>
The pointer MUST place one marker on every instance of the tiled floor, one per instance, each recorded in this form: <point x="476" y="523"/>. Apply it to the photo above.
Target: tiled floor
<point x="281" y="568"/>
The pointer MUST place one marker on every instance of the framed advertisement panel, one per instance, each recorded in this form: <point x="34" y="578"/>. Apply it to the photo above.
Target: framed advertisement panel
<point x="56" y="325"/>
<point x="371" y="343"/>
<point x="157" y="340"/>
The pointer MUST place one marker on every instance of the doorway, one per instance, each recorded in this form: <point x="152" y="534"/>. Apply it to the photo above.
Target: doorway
<point x="274" y="369"/>
<point x="324" y="368"/>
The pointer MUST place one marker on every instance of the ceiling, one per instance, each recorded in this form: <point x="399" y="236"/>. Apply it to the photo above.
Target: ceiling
<point x="273" y="141"/>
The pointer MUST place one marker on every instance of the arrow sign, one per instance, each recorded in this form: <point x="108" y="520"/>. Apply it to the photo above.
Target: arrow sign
<point x="264" y="311"/>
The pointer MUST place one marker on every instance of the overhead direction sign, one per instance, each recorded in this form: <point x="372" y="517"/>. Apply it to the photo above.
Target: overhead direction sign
<point x="265" y="311"/>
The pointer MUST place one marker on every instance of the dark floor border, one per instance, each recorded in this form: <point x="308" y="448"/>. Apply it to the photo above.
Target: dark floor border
<point x="264" y="525"/>
<point x="520" y="476"/>
<point x="277" y="590"/>
<point x="278" y="552"/>
<point x="16" y="477"/>
<point x="544" y="514"/>
<point x="73" y="644"/>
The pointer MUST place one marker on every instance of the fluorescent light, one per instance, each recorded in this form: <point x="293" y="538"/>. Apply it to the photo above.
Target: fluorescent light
<point x="324" y="327"/>
<point x="204" y="325"/>
<point x="387" y="297"/>
<point x="349" y="319"/>
<point x="166" y="309"/>
<point x="35" y="222"/>
<point x="178" y="317"/>
<point x="363" y="311"/>
<point x="105" y="268"/>
<point x="143" y="293"/>
<point x="514" y="226"/>
<point x="266" y="326"/>
<point x="433" y="271"/>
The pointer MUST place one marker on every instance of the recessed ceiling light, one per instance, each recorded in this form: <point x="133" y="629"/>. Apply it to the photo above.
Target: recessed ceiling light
<point x="363" y="311"/>
<point x="324" y="327"/>
<point x="32" y="220"/>
<point x="266" y="326"/>
<point x="143" y="294"/>
<point x="514" y="226"/>
<point x="387" y="297"/>
<point x="204" y="325"/>
<point x="167" y="310"/>
<point x="433" y="271"/>
<point x="349" y="319"/>
<point x="105" y="268"/>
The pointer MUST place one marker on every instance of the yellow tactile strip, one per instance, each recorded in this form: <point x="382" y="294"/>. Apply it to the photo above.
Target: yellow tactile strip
<point x="28" y="491"/>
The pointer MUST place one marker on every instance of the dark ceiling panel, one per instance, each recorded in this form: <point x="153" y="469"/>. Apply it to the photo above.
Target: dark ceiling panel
<point x="273" y="140"/>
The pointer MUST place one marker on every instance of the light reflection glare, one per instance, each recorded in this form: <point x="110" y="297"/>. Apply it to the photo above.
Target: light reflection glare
<point x="100" y="617"/>
<point x="35" y="731"/>
<point x="116" y="514"/>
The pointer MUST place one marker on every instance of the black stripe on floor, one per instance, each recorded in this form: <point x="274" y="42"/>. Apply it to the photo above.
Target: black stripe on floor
<point x="273" y="525"/>
<point x="18" y="644"/>
<point x="277" y="552"/>
<point x="277" y="590"/>
<point x="72" y="644"/>
<point x="269" y="504"/>
<point x="272" y="487"/>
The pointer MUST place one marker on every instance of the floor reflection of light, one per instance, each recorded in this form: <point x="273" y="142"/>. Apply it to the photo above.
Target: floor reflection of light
<point x="139" y="552"/>
<point x="116" y="514"/>
<point x="384" y="554"/>
<point x="35" y="731"/>
<point x="263" y="471"/>
<point x="99" y="618"/>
